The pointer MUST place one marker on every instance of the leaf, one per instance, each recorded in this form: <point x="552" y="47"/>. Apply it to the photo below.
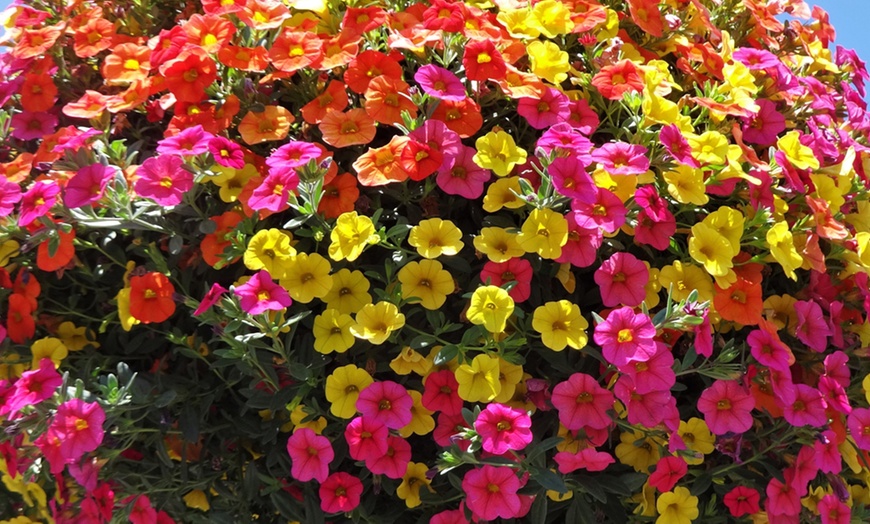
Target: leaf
<point x="702" y="483"/>
<point x="591" y="486"/>
<point x="422" y="341"/>
<point x="538" y="512"/>
<point x="165" y="398"/>
<point x="549" y="480"/>
<point x="447" y="353"/>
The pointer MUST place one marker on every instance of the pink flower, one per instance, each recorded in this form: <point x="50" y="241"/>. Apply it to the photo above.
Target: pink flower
<point x="37" y="201"/>
<point x="742" y="501"/>
<point x="447" y="427"/>
<point x="756" y="59"/>
<point x="33" y="387"/>
<point x="211" y="298"/>
<point x="581" y="249"/>
<point x="782" y="499"/>
<point x="79" y="425"/>
<point x="273" y="193"/>
<point x="677" y="146"/>
<point x="366" y="438"/>
<point x="49" y="447"/>
<point x="449" y="516"/>
<point x="655" y="374"/>
<point x="811" y="327"/>
<point x="655" y="233"/>
<point x="566" y="142"/>
<point x="394" y="462"/>
<point x="292" y="155"/>
<point x="767" y="348"/>
<point x="621" y="158"/>
<point x="622" y="280"/>
<point x="440" y="393"/>
<point x="142" y="512"/>
<point x="191" y="141"/>
<point x="386" y="402"/>
<point x="669" y="471"/>
<point x="29" y="125"/>
<point x="491" y="492"/>
<point x="571" y="180"/>
<point x="763" y="128"/>
<point x="805" y="407"/>
<point x="163" y="179"/>
<point x="340" y="493"/>
<point x="583" y="118"/>
<point x="310" y="455"/>
<point x="858" y="423"/>
<point x="649" y="200"/>
<point x="606" y="212"/>
<point x="436" y="135"/>
<point x="552" y="108"/>
<point x="226" y="152"/>
<point x="626" y="337"/>
<point x="833" y="511"/>
<point x="587" y="458"/>
<point x="10" y="194"/>
<point x="440" y="83"/>
<point x="649" y="409"/>
<point x="517" y="270"/>
<point x="582" y="402"/>
<point x="502" y="428"/>
<point x="86" y="187"/>
<point x="462" y="176"/>
<point x="260" y="294"/>
<point x="727" y="407"/>
<point x="827" y="455"/>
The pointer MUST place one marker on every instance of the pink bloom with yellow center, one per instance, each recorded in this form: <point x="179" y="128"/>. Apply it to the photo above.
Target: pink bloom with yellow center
<point x="340" y="493"/>
<point x="79" y="425"/>
<point x="621" y="158"/>
<point x="622" y="280"/>
<point x="310" y="455"/>
<point x="581" y="402"/>
<point x="386" y="402"/>
<point x="626" y="337"/>
<point x="503" y="428"/>
<point x="163" y="179"/>
<point x="260" y="294"/>
<point x="727" y="407"/>
<point x="491" y="492"/>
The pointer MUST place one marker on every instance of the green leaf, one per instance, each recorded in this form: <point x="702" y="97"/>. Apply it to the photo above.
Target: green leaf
<point x="590" y="485"/>
<point x="447" y="353"/>
<point x="549" y="480"/>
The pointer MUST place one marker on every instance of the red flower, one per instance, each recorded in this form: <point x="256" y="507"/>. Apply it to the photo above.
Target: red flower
<point x="151" y="298"/>
<point x="742" y="501"/>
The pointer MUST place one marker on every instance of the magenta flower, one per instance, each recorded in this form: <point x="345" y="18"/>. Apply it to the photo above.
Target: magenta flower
<point x="79" y="425"/>
<point x="366" y="438"/>
<point x="834" y="511"/>
<point x="29" y="125"/>
<point x="273" y="193"/>
<point x="226" y="152"/>
<point x="33" y="387"/>
<point x="436" y="135"/>
<point x="502" y="428"/>
<point x="648" y="409"/>
<point x="340" y="493"/>
<point x="581" y="401"/>
<point x="260" y="294"/>
<point x="163" y="179"/>
<point x="742" y="500"/>
<point x="858" y="423"/>
<point x="86" y="187"/>
<point x="310" y="455"/>
<point x="811" y="329"/>
<point x="440" y="83"/>
<point x="37" y="201"/>
<point x="491" y="492"/>
<point x="571" y="180"/>
<point x="677" y="146"/>
<point x="10" y="194"/>
<point x="626" y="337"/>
<point x="394" y="462"/>
<point x="756" y="59"/>
<point x="587" y="458"/>
<point x="191" y="141"/>
<point x="581" y="249"/>
<point x="386" y="402"/>
<point x="142" y="512"/>
<point x="440" y="393"/>
<point x="764" y="127"/>
<point x="649" y="200"/>
<point x="583" y="118"/>
<point x="449" y="516"/>
<point x="655" y="374"/>
<point x="669" y="471"/>
<point x="49" y="447"/>
<point x="806" y="407"/>
<point x="621" y="158"/>
<point x="447" y="427"/>
<point x="211" y="298"/>
<point x="517" y="270"/>
<point x="622" y="280"/>
<point x="606" y="212"/>
<point x="827" y="455"/>
<point x="767" y="348"/>
<point x="292" y="155"/>
<point x="566" y="142"/>
<point x="727" y="407"/>
<point x="553" y="107"/>
<point x="782" y="499"/>
<point x="655" y="233"/>
<point x="462" y="176"/>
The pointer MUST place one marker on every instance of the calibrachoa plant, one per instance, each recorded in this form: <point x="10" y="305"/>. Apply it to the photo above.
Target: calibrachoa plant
<point x="560" y="261"/>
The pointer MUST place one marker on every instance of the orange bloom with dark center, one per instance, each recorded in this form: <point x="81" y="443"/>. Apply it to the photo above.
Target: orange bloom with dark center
<point x="38" y="92"/>
<point x="95" y="36"/>
<point x="273" y="123"/>
<point x="355" y="127"/>
<point x="34" y="42"/>
<point x="519" y="84"/>
<point x="382" y="165"/>
<point x="209" y="32"/>
<point x="151" y="298"/>
<point x="127" y="63"/>
<point x="741" y="302"/>
<point x="188" y="76"/>
<point x="339" y="196"/>
<point x="386" y="98"/>
<point x="615" y="80"/>
<point x="461" y="117"/>
<point x="134" y="96"/>
<point x="367" y="66"/>
<point x="334" y="98"/>
<point x="244" y="58"/>
<point x="294" y="50"/>
<point x="17" y="170"/>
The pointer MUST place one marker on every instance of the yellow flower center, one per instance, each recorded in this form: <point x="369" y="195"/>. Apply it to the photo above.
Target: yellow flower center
<point x="624" y="335"/>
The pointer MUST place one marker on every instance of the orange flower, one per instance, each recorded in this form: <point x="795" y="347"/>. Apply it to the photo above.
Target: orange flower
<point x="18" y="170"/>
<point x="214" y="244"/>
<point x="63" y="253"/>
<point x="20" y="325"/>
<point x="151" y="298"/>
<point x="386" y="98"/>
<point x="209" y="32"/>
<point x="127" y="63"/>
<point x="135" y="95"/>
<point x="244" y="58"/>
<point x="461" y="117"/>
<point x="90" y="105"/>
<point x="264" y="14"/>
<point x="646" y="14"/>
<point x="339" y="196"/>
<point x="339" y="50"/>
<point x="34" y="42"/>
<point x="741" y="302"/>
<point x="188" y="76"/>
<point x="614" y="80"/>
<point x="27" y="286"/>
<point x="294" y="50"/>
<point x="273" y="123"/>
<point x="368" y="65"/>
<point x="360" y="20"/>
<point x="382" y="165"/>
<point x="333" y="99"/>
<point x="38" y="92"/>
<point x="353" y="128"/>
<point x="518" y="84"/>
<point x="95" y="36"/>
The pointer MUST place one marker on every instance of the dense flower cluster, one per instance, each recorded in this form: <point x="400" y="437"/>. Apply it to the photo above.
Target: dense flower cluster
<point x="436" y="261"/>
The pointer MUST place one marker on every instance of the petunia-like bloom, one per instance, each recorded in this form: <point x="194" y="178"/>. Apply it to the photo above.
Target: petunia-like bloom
<point x="426" y="280"/>
<point x="648" y="409"/>
<point x="440" y="393"/>
<point x="782" y="499"/>
<point x="37" y="201"/>
<point x="273" y="193"/>
<point x="440" y="83"/>
<point x="340" y="493"/>
<point x="544" y="232"/>
<point x="805" y="407"/>
<point x="767" y="348"/>
<point x="669" y="471"/>
<point x="163" y="179"/>
<point x="376" y="322"/>
<point x="386" y="402"/>
<point x="589" y="459"/>
<point x="490" y="307"/>
<point x="727" y="407"/>
<point x="366" y="438"/>
<point x="351" y="234"/>
<point x="764" y="127"/>
<point x="260" y="294"/>
<point x="310" y="455"/>
<point x="606" y="211"/>
<point x="626" y="336"/>
<point x="491" y="492"/>
<point x="460" y="175"/>
<point x="342" y="389"/>
<point x="10" y="194"/>
<point x="29" y="125"/>
<point x="677" y="146"/>
<point x="833" y="510"/>
<point x="517" y="270"/>
<point x="552" y="108"/>
<point x="151" y="297"/>
<point x="191" y="141"/>
<point x="571" y="180"/>
<point x="33" y="387"/>
<point x="581" y="401"/>
<point x="503" y="428"/>
<point x="560" y="324"/>
<point x="655" y="374"/>
<point x="86" y="187"/>
<point x="811" y="329"/>
<point x="226" y="152"/>
<point x="293" y="155"/>
<point x="497" y="151"/>
<point x="79" y="425"/>
<point x="479" y="380"/>
<point x="677" y="507"/>
<point x="482" y="61"/>
<point x="742" y="500"/>
<point x="394" y="462"/>
<point x="622" y="280"/>
<point x="211" y="298"/>
<point x="620" y="158"/>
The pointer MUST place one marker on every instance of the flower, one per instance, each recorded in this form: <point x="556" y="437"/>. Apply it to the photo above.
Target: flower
<point x="544" y="232"/>
<point x="306" y="277"/>
<point x="498" y="244"/>
<point x="332" y="332"/>
<point x="269" y="249"/>
<point x="440" y="83"/>
<point x="151" y="298"/>
<point x="427" y="281"/>
<point x="434" y="237"/>
<point x="340" y="493"/>
<point x="393" y="463"/>
<point x="33" y="387"/>
<point x="386" y="402"/>
<point x="478" y="381"/>
<point x="460" y="175"/>
<point x="86" y="187"/>
<point x="491" y="492"/>
<point x="727" y="407"/>
<point x="414" y="478"/>
<point x="742" y="500"/>
<point x="560" y="324"/>
<point x="622" y="279"/>
<point x="211" y="298"/>
<point x="310" y="455"/>
<point x="497" y="151"/>
<point x="260" y="294"/>
<point x="620" y="158"/>
<point x="270" y="124"/>
<point x="490" y="307"/>
<point x="226" y="152"/>
<point x="163" y="179"/>
<point x="375" y="322"/>
<point x="677" y="507"/>
<point x="351" y="234"/>
<point x="581" y="402"/>
<point x="342" y="389"/>
<point x="626" y="337"/>
<point x="669" y="471"/>
<point x="349" y="291"/>
<point x="517" y="270"/>
<point x="79" y="425"/>
<point x="482" y="61"/>
<point x="502" y="428"/>
<point x="440" y="393"/>
<point x="366" y="438"/>
<point x="37" y="201"/>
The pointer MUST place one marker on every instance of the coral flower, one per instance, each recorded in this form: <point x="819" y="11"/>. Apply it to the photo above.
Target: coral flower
<point x="260" y="294"/>
<point x="517" y="270"/>
<point x="386" y="402"/>
<point x="353" y="128"/>
<point x="270" y="124"/>
<point x="440" y="393"/>
<point x="188" y="75"/>
<point x="615" y="80"/>
<point x="491" y="492"/>
<point x="151" y="297"/>
<point x="163" y="179"/>
<point x="382" y="165"/>
<point x="581" y="401"/>
<point x="333" y="98"/>
<point x="622" y="280"/>
<point x="340" y="493"/>
<point x="294" y="50"/>
<point x="503" y="428"/>
<point x="310" y="455"/>
<point x="387" y="98"/>
<point x="626" y="337"/>
<point x="727" y="407"/>
<point x="367" y="66"/>
<point x="462" y="117"/>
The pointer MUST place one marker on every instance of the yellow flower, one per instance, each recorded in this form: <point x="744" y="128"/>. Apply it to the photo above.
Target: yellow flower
<point x="708" y="148"/>
<point x="518" y="22"/>
<point x="682" y="279"/>
<point x="349" y="291"/>
<point x="498" y="244"/>
<point x="49" y="347"/>
<point x="697" y="437"/>
<point x="11" y="367"/>
<point x="232" y="181"/>
<point x="343" y="387"/>
<point x="780" y="310"/>
<point x="490" y="307"/>
<point x="544" y="232"/>
<point x="560" y="324"/>
<point x="197" y="499"/>
<point x="422" y="422"/>
<point x="503" y="193"/>
<point x="8" y="249"/>
<point x="548" y="61"/>
<point x="799" y="155"/>
<point x="782" y="248"/>
<point x="677" y="507"/>
<point x="307" y="277"/>
<point x="351" y="234"/>
<point x="76" y="338"/>
<point x="728" y="223"/>
<point x="478" y="381"/>
<point x="375" y="322"/>
<point x="414" y="479"/>
<point x="269" y="249"/>
<point x="435" y="237"/>
<point x="551" y="18"/>
<point x="710" y="249"/>
<point x="332" y="332"/>
<point x="428" y="281"/>
<point x="637" y="450"/>
<point x="686" y="185"/>
<point x="298" y="416"/>
<point x="127" y="320"/>
<point x="646" y="501"/>
<point x="497" y="151"/>
<point x="509" y="376"/>
<point x="409" y="361"/>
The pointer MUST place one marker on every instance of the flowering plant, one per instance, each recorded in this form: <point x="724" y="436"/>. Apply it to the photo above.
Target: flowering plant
<point x="564" y="260"/>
